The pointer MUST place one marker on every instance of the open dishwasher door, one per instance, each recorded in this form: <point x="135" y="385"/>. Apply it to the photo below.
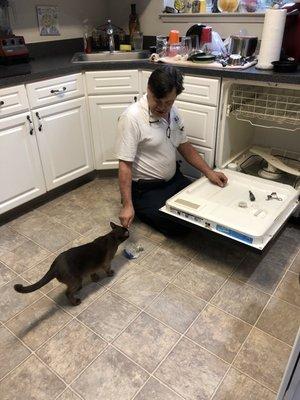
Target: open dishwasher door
<point x="230" y="212"/>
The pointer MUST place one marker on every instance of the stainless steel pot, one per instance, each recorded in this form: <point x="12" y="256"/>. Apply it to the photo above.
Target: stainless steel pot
<point x="245" y="46"/>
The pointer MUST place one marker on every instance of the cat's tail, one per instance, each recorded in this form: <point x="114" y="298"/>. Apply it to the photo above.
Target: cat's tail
<point x="51" y="274"/>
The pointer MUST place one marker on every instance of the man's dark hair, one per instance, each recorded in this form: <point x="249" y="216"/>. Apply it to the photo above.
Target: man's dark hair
<point x="164" y="79"/>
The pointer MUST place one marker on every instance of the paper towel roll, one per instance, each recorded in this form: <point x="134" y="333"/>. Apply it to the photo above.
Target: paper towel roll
<point x="272" y="35"/>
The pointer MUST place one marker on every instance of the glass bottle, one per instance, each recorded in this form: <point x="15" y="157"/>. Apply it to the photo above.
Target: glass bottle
<point x="134" y="24"/>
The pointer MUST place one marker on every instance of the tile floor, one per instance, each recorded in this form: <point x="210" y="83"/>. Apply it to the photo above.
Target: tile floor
<point x="192" y="319"/>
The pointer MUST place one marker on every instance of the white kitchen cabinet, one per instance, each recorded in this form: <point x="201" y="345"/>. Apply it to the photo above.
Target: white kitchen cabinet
<point x="105" y="111"/>
<point x="199" y="122"/>
<point x="13" y="100"/>
<point x="188" y="170"/>
<point x="64" y="141"/>
<point x="21" y="176"/>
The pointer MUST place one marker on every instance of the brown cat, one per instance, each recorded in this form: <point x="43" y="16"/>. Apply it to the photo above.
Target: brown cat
<point x="72" y="265"/>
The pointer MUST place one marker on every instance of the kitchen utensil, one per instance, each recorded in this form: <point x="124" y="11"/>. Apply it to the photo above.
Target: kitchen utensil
<point x="201" y="58"/>
<point x="195" y="30"/>
<point x="242" y="45"/>
<point x="285" y="65"/>
<point x="195" y="42"/>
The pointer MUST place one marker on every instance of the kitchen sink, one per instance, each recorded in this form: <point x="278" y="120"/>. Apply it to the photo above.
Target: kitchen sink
<point x="107" y="56"/>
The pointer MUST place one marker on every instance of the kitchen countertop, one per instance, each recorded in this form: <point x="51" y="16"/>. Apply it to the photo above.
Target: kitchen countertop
<point x="47" y="67"/>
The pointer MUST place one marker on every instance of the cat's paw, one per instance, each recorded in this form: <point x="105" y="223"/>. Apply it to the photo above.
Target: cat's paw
<point x="75" y="302"/>
<point x="95" y="278"/>
<point x="110" y="272"/>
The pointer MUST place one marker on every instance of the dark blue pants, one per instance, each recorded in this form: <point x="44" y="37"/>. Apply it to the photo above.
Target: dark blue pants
<point x="148" y="198"/>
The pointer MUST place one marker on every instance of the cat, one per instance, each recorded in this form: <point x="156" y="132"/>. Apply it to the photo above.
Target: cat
<point x="72" y="265"/>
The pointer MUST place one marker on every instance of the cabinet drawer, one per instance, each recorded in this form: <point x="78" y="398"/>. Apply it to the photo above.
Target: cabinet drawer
<point x="200" y="90"/>
<point x="13" y="100"/>
<point x="55" y="90"/>
<point x="112" y="82"/>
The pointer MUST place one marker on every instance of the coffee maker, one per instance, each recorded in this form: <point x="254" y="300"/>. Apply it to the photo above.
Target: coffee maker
<point x="291" y="37"/>
<point x="12" y="48"/>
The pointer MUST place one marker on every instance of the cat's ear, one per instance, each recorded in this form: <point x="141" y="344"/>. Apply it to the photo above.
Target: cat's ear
<point x="112" y="225"/>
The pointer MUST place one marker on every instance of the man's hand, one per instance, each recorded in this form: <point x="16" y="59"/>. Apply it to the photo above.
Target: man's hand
<point x="218" y="178"/>
<point x="126" y="216"/>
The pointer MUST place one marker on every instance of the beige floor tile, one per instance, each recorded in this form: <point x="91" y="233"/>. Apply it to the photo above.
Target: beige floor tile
<point x="112" y="376"/>
<point x="219" y="333"/>
<point x="9" y="239"/>
<point x="12" y="351"/>
<point x="36" y="273"/>
<point x="45" y="231"/>
<point x="154" y="390"/>
<point x="263" y="358"/>
<point x="90" y="292"/>
<point x="31" y="381"/>
<point x="71" y="350"/>
<point x="139" y="286"/>
<point x="176" y="308"/>
<point x="12" y="302"/>
<point x="68" y="395"/>
<point x="108" y="315"/>
<point x="24" y="256"/>
<point x="165" y="263"/>
<point x="191" y="371"/>
<point x="199" y="281"/>
<point x="38" y="322"/>
<point x="238" y="386"/>
<point x="289" y="289"/>
<point x="146" y="341"/>
<point x="6" y="274"/>
<point x="295" y="267"/>
<point x="181" y="247"/>
<point x="217" y="256"/>
<point x="241" y="300"/>
<point x="280" y="319"/>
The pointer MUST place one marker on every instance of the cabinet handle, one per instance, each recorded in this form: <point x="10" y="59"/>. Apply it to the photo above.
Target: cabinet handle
<point x="57" y="91"/>
<point x="1" y="103"/>
<point x="30" y="124"/>
<point x="135" y="99"/>
<point x="39" y="118"/>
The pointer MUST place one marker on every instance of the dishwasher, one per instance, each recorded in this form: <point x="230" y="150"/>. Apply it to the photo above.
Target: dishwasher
<point x="258" y="149"/>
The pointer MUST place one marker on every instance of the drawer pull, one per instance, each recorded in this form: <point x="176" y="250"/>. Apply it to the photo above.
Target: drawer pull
<point x="39" y="118"/>
<point x="1" y="103"/>
<point x="30" y="124"/>
<point x="135" y="99"/>
<point x="57" y="91"/>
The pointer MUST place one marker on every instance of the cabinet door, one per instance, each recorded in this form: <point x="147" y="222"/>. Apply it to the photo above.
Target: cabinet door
<point x="64" y="140"/>
<point x="21" y="177"/>
<point x="199" y="122"/>
<point x="105" y="111"/>
<point x="188" y="170"/>
<point x="112" y="82"/>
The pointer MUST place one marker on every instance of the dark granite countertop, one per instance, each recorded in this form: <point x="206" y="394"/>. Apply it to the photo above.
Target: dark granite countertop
<point x="46" y="67"/>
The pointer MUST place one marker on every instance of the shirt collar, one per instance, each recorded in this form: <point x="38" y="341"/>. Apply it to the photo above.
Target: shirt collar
<point x="152" y="118"/>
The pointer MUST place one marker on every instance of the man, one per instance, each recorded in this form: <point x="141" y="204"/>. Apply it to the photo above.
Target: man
<point x="150" y="132"/>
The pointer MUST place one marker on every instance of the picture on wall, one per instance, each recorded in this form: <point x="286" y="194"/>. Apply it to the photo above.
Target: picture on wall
<point x="48" y="20"/>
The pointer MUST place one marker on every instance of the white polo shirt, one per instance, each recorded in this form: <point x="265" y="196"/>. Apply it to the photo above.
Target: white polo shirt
<point x="148" y="142"/>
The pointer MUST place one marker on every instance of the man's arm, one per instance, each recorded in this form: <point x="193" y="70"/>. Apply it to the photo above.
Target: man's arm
<point x="190" y="154"/>
<point x="125" y="178"/>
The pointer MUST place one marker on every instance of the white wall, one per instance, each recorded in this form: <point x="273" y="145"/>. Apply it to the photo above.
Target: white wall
<point x="151" y="24"/>
<point x="71" y="15"/>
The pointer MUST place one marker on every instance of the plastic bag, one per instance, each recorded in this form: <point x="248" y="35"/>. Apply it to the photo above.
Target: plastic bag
<point x="217" y="46"/>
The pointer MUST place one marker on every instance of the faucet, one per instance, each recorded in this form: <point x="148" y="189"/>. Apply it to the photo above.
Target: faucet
<point x="110" y="34"/>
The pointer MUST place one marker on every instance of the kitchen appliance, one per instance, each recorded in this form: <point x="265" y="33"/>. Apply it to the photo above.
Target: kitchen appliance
<point x="245" y="46"/>
<point x="259" y="130"/>
<point x="12" y="48"/>
<point x="195" y="30"/>
<point x="291" y="42"/>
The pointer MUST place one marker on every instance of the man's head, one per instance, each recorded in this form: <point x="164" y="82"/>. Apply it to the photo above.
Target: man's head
<point x="164" y="85"/>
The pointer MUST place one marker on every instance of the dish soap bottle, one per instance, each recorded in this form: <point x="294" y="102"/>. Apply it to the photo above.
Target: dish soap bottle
<point x="134" y="24"/>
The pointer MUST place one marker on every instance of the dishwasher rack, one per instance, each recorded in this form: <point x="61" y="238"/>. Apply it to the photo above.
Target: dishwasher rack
<point x="278" y="106"/>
